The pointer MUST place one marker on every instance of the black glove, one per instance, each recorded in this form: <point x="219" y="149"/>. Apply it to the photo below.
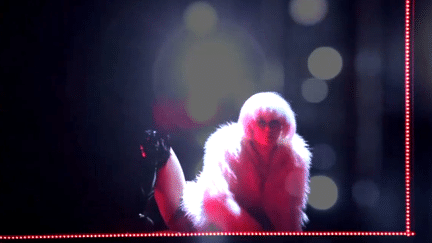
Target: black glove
<point x="155" y="149"/>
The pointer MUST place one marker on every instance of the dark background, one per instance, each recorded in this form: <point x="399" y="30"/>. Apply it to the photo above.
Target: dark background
<point x="70" y="125"/>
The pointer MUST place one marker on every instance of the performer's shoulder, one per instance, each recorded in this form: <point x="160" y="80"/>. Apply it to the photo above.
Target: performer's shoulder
<point x="301" y="149"/>
<point x="222" y="147"/>
<point x="226" y="136"/>
<point x="227" y="130"/>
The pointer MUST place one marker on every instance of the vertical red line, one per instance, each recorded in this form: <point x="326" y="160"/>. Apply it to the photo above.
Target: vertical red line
<point x="408" y="20"/>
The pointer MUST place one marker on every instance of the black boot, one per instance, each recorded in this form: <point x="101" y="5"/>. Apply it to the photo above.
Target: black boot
<point x="155" y="150"/>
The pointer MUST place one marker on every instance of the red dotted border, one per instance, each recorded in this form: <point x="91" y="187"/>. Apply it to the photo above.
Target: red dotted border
<point x="408" y="20"/>
<point x="409" y="9"/>
<point x="207" y="234"/>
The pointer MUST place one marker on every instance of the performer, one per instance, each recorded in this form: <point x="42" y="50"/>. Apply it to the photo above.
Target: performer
<point x="255" y="174"/>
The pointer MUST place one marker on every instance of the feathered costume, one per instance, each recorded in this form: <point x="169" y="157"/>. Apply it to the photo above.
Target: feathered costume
<point x="234" y="179"/>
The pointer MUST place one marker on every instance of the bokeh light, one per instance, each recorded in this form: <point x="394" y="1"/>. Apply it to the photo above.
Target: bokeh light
<point x="169" y="114"/>
<point x="202" y="107"/>
<point x="245" y="89"/>
<point x="325" y="63"/>
<point x="212" y="70"/>
<point x="308" y="12"/>
<point x="324" y="156"/>
<point x="314" y="90"/>
<point x="203" y="134"/>
<point x="200" y="18"/>
<point x="324" y="192"/>
<point x="213" y="65"/>
<point x="211" y="77"/>
<point x="365" y="193"/>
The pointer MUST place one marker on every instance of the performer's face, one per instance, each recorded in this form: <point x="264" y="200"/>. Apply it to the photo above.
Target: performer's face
<point x="267" y="128"/>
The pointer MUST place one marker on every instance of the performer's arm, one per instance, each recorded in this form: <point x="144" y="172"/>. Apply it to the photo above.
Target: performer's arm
<point x="284" y="206"/>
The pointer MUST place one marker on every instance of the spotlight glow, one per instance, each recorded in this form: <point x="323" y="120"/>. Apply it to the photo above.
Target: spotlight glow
<point x="308" y="12"/>
<point x="201" y="107"/>
<point x="212" y="70"/>
<point x="200" y="18"/>
<point x="324" y="192"/>
<point x="213" y="66"/>
<point x="273" y="75"/>
<point x="242" y="92"/>
<point x="203" y="135"/>
<point x="314" y="90"/>
<point x="325" y="63"/>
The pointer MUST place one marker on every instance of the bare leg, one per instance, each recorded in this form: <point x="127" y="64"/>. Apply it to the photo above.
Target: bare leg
<point x="169" y="188"/>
